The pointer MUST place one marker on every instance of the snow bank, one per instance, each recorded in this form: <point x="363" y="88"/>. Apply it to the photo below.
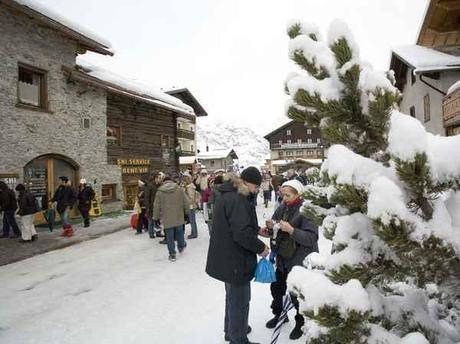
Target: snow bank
<point x="321" y="291"/>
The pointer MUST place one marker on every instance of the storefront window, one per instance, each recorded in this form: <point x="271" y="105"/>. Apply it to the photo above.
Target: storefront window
<point x="109" y="192"/>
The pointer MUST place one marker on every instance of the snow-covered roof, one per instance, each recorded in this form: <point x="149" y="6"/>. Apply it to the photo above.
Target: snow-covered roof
<point x="453" y="88"/>
<point x="217" y="154"/>
<point x="120" y="84"/>
<point x="424" y="59"/>
<point x="187" y="160"/>
<point x="49" y="18"/>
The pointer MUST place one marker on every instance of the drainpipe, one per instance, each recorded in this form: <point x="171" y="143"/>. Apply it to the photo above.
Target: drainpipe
<point x="431" y="86"/>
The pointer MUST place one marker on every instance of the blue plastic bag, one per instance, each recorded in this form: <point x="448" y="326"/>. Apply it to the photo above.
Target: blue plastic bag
<point x="265" y="273"/>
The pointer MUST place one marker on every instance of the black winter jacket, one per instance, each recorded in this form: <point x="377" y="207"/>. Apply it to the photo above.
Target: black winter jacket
<point x="149" y="196"/>
<point x="234" y="243"/>
<point x="85" y="196"/>
<point x="65" y="197"/>
<point x="8" y="200"/>
<point x="305" y="235"/>
<point x="27" y="204"/>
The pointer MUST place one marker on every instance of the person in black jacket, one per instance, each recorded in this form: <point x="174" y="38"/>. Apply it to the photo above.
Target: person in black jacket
<point x="293" y="237"/>
<point x="233" y="248"/>
<point x="27" y="209"/>
<point x="65" y="197"/>
<point x="85" y="195"/>
<point x="8" y="205"/>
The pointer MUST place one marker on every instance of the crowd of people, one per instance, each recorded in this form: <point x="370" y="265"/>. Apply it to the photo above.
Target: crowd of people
<point x="20" y="209"/>
<point x="166" y="204"/>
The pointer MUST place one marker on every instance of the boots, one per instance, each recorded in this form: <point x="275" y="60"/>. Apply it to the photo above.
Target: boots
<point x="272" y="322"/>
<point x="297" y="331"/>
<point x="68" y="231"/>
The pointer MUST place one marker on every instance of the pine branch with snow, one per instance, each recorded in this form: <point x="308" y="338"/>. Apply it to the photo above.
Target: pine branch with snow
<point x="388" y="197"/>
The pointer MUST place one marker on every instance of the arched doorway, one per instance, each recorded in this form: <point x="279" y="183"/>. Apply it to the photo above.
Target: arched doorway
<point x="41" y="175"/>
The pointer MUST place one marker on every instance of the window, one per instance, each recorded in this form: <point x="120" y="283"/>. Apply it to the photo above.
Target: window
<point x="318" y="140"/>
<point x="280" y="142"/>
<point x="288" y="132"/>
<point x="191" y="128"/>
<point x="178" y="125"/>
<point x="308" y="131"/>
<point x="310" y="152"/>
<point x="113" y="136"/>
<point x="288" y="153"/>
<point x="299" y="152"/>
<point x="32" y="88"/>
<point x="299" y="141"/>
<point x="426" y="107"/>
<point x="280" y="153"/>
<point x="309" y="140"/>
<point x="86" y="123"/>
<point x="288" y="141"/>
<point x="212" y="163"/>
<point x="413" y="78"/>
<point x="412" y="111"/>
<point x="191" y="148"/>
<point x="165" y="141"/>
<point x="109" y="192"/>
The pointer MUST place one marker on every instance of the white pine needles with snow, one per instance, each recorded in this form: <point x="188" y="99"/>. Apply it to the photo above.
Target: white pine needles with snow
<point x="392" y="210"/>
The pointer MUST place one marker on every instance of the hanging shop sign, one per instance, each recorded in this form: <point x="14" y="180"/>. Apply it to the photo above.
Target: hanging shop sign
<point x="134" y="166"/>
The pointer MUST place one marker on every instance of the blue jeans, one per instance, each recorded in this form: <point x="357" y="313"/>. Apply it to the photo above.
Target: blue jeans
<point x="192" y="218"/>
<point x="10" y="221"/>
<point x="65" y="216"/>
<point x="175" y="233"/>
<point x="237" y="297"/>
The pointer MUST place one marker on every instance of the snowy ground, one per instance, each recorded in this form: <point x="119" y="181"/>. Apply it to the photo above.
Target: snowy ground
<point x="121" y="288"/>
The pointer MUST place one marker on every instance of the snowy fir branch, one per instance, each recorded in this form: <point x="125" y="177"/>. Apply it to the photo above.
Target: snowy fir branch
<point x="387" y="197"/>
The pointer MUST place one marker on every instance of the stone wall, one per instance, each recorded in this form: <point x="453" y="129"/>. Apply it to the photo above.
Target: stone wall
<point x="26" y="134"/>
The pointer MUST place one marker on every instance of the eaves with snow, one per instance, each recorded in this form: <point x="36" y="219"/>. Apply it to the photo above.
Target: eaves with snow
<point x="46" y="17"/>
<point x="424" y="60"/>
<point x="218" y="154"/>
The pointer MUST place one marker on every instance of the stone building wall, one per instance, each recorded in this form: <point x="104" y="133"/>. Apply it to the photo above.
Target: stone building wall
<point x="26" y="134"/>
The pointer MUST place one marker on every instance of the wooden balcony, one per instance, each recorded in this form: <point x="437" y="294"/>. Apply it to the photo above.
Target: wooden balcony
<point x="294" y="145"/>
<point x="186" y="134"/>
<point x="187" y="153"/>
<point x="451" y="109"/>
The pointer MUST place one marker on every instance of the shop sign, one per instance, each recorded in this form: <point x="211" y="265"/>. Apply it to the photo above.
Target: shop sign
<point x="11" y="179"/>
<point x="134" y="166"/>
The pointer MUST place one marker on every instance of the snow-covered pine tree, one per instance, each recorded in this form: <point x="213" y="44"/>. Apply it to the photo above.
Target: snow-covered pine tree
<point x="388" y="198"/>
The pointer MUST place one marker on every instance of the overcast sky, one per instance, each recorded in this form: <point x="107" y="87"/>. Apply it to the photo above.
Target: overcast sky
<point x="232" y="54"/>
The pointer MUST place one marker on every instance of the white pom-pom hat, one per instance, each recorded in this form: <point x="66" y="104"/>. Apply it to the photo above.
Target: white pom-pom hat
<point x="295" y="184"/>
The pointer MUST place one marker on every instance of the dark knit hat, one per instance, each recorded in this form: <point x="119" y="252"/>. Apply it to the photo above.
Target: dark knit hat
<point x="251" y="175"/>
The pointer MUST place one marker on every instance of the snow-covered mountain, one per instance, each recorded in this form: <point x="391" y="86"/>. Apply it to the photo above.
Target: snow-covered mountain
<point x="252" y="149"/>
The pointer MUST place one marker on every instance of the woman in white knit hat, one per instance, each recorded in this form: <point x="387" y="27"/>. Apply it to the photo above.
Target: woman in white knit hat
<point x="292" y="238"/>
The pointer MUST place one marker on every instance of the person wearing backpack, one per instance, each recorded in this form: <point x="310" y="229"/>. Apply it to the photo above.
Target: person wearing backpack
<point x="28" y="206"/>
<point x="292" y="237"/>
<point x="8" y="205"/>
<point x="85" y="195"/>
